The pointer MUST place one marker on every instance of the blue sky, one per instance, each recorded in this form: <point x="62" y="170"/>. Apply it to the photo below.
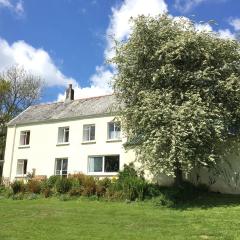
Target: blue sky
<point x="68" y="40"/>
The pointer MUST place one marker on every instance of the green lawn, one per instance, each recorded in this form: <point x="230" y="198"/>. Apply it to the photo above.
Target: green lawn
<point x="82" y="219"/>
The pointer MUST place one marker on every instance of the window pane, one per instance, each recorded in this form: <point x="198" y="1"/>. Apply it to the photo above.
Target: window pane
<point x="110" y="130"/>
<point x="25" y="167"/>
<point x="22" y="138"/>
<point x="27" y="138"/>
<point x="64" y="164"/>
<point x="111" y="164"/>
<point x="66" y="136"/>
<point x="20" y="167"/>
<point x="88" y="132"/>
<point x="60" y="135"/>
<point x="114" y="130"/>
<point x="58" y="164"/>
<point x="85" y="133"/>
<point x="92" y="133"/>
<point x="95" y="164"/>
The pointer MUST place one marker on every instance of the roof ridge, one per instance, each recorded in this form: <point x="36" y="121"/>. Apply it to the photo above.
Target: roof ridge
<point x="79" y="99"/>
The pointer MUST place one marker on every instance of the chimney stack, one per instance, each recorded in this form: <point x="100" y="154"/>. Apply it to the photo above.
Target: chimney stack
<point x="69" y="93"/>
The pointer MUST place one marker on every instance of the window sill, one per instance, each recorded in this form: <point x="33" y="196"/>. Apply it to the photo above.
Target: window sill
<point x="89" y="142"/>
<point x="21" y="176"/>
<point x="114" y="140"/>
<point x="63" y="144"/>
<point x="24" y="146"/>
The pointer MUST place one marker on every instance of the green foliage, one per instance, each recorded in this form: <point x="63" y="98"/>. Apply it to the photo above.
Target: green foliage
<point x="130" y="184"/>
<point x="181" y="94"/>
<point x="17" y="187"/>
<point x="34" y="186"/>
<point x="52" y="180"/>
<point x="63" y="185"/>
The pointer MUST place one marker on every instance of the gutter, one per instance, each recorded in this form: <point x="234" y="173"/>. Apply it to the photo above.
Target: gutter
<point x="13" y="146"/>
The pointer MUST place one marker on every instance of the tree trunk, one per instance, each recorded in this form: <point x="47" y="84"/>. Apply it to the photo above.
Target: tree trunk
<point x="178" y="179"/>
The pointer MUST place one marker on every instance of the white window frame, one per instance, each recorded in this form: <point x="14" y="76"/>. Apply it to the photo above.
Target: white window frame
<point x="62" y="131"/>
<point x="88" y="127"/>
<point x="61" y="171"/>
<point x="25" y="136"/>
<point x="103" y="165"/>
<point x="21" y="162"/>
<point x="115" y="135"/>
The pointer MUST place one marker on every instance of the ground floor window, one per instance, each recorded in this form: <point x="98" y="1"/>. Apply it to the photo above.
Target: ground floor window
<point x="109" y="163"/>
<point x="21" y="167"/>
<point x="61" y="166"/>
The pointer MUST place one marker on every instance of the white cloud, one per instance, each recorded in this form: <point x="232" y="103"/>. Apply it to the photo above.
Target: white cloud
<point x="235" y="23"/>
<point x="203" y="27"/>
<point x="226" y="33"/>
<point x="100" y="85"/>
<point x="186" y="5"/>
<point x="119" y="26"/>
<point x="34" y="60"/>
<point x="17" y="7"/>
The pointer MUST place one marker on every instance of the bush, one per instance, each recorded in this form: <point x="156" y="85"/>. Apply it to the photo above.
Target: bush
<point x="52" y="180"/>
<point x="17" y="187"/>
<point x="46" y="188"/>
<point x="89" y="186"/>
<point x="63" y="185"/>
<point x="18" y="196"/>
<point x="32" y="196"/>
<point x="102" y="186"/>
<point x="162" y="200"/>
<point x="34" y="186"/>
<point x="131" y="183"/>
<point x="64" y="197"/>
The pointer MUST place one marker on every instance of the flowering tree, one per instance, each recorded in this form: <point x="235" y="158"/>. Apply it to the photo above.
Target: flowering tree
<point x="181" y="93"/>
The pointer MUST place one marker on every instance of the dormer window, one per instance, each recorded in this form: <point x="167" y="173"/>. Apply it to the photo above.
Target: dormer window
<point x="63" y="135"/>
<point x="114" y="131"/>
<point x="24" y="138"/>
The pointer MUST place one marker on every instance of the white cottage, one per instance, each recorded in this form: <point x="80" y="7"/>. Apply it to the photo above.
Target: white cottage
<point x="66" y="137"/>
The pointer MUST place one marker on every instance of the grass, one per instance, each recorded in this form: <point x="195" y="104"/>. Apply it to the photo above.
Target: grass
<point x="217" y="217"/>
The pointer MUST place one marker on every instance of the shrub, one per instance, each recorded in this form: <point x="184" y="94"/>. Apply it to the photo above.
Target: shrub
<point x="63" y="185"/>
<point x="46" y="188"/>
<point x="18" y="196"/>
<point x="78" y="177"/>
<point x="17" y="187"/>
<point x="64" y="197"/>
<point x="89" y="186"/>
<point x="32" y="196"/>
<point x="131" y="183"/>
<point x="52" y="180"/>
<point x="163" y="200"/>
<point x="34" y="186"/>
<point x="101" y="186"/>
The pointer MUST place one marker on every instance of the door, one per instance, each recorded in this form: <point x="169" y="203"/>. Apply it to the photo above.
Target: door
<point x="61" y="167"/>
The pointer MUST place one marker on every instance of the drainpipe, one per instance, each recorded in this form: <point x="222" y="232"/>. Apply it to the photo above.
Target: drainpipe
<point x="13" y="146"/>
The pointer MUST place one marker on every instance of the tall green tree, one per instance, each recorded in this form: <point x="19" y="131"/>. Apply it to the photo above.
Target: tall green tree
<point x="18" y="90"/>
<point x="181" y="93"/>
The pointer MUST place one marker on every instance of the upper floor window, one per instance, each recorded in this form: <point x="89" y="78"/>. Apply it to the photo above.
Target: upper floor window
<point x="24" y="138"/>
<point x="21" y="167"/>
<point x="114" y="130"/>
<point x="88" y="132"/>
<point x="63" y="135"/>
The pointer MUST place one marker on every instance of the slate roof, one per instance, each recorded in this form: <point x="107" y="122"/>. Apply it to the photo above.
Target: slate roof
<point x="102" y="105"/>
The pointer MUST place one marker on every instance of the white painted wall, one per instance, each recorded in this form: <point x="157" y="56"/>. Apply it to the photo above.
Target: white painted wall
<point x="43" y="148"/>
